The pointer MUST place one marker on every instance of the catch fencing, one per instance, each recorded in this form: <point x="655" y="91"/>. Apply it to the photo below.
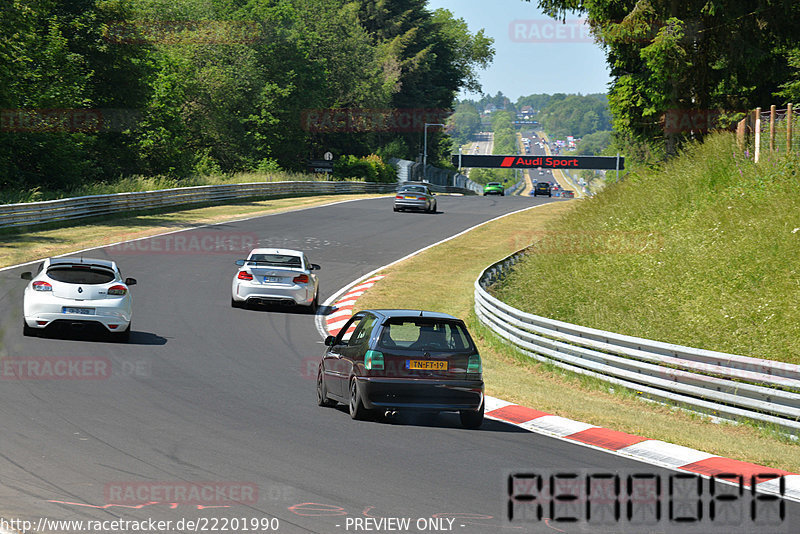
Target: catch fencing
<point x="715" y="383"/>
<point x="769" y="132"/>
<point x="32" y="213"/>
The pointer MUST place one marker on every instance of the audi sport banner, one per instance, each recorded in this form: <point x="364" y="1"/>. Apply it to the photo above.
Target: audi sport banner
<point x="544" y="162"/>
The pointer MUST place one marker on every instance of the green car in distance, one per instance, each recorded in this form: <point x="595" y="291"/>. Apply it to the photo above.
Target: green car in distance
<point x="493" y="188"/>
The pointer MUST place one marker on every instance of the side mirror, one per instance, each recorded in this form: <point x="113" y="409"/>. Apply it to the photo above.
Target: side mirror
<point x="315" y="267"/>
<point x="26" y="275"/>
<point x="130" y="281"/>
<point x="329" y="341"/>
<point x="240" y="263"/>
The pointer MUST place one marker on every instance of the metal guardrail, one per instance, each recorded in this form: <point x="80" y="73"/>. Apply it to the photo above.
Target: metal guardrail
<point x="510" y="190"/>
<point x="408" y="170"/>
<point x="31" y="213"/>
<point x="715" y="383"/>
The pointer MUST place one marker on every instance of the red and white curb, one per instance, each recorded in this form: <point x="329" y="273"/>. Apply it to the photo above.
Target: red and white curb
<point x="344" y="306"/>
<point x="650" y="451"/>
<point x="639" y="448"/>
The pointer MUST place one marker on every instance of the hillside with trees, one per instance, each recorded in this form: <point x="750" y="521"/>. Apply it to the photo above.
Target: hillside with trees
<point x="722" y="57"/>
<point x="215" y="86"/>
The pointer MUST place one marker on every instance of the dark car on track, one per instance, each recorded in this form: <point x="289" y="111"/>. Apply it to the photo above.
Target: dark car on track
<point x="403" y="360"/>
<point x="542" y="188"/>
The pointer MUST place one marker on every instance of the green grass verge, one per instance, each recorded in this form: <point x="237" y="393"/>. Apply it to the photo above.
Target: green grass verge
<point x="514" y="377"/>
<point x="702" y="253"/>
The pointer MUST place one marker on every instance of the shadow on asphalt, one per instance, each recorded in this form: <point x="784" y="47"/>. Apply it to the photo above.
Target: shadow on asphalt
<point x="432" y="420"/>
<point x="98" y="336"/>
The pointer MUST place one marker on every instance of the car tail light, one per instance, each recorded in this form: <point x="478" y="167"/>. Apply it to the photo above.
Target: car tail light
<point x="399" y="196"/>
<point x="300" y="279"/>
<point x="373" y="360"/>
<point x="42" y="286"/>
<point x="474" y="364"/>
<point x="244" y="275"/>
<point x="117" y="290"/>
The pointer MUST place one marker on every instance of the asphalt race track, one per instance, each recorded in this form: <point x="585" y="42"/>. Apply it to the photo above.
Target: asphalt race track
<point x="205" y="393"/>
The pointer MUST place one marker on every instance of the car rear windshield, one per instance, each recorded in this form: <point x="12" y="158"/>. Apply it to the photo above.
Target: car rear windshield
<point x="278" y="260"/>
<point x="413" y="189"/>
<point x="424" y="334"/>
<point x="81" y="274"/>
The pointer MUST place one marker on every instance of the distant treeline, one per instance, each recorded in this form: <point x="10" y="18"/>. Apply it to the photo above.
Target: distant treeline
<point x="559" y="115"/>
<point x="92" y="90"/>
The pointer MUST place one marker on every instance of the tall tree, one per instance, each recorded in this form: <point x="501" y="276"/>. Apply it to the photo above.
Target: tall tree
<point x="668" y="56"/>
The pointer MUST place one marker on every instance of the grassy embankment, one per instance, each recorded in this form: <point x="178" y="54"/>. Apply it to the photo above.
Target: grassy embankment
<point x="723" y="276"/>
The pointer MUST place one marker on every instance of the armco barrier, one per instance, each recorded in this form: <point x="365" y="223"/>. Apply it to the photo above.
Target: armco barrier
<point x="715" y="383"/>
<point x="31" y="213"/>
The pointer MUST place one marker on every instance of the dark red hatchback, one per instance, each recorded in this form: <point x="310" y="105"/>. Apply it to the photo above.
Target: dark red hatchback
<point x="401" y="360"/>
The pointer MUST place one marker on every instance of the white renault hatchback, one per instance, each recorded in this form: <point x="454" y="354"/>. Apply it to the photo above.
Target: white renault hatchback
<point x="276" y="276"/>
<point x="80" y="293"/>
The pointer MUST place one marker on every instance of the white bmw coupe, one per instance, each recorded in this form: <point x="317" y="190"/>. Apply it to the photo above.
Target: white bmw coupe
<point x="276" y="276"/>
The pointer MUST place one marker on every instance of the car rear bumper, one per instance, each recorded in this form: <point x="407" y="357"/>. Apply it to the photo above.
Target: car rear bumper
<point x="112" y="323"/>
<point x="48" y="310"/>
<point x="421" y="394"/>
<point x="263" y="293"/>
<point x="411" y="204"/>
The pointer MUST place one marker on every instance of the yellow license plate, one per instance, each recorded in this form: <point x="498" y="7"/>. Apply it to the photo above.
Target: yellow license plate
<point x="412" y="198"/>
<point x="428" y="365"/>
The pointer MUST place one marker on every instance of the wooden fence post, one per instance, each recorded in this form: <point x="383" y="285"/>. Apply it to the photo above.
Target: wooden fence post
<point x="741" y="130"/>
<point x="789" y="128"/>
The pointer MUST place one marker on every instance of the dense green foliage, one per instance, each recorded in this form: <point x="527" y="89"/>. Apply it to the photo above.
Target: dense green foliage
<point x="594" y="143"/>
<point x="672" y="57"/>
<point x="464" y="123"/>
<point x="575" y="115"/>
<point x="371" y="168"/>
<point x="221" y="86"/>
<point x="537" y="101"/>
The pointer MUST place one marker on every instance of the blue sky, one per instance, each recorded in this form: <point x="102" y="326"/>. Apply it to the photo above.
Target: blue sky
<point x="533" y="54"/>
